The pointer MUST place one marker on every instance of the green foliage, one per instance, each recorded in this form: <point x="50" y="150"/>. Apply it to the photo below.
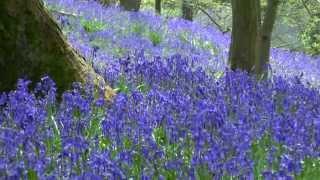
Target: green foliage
<point x="143" y="87"/>
<point x="104" y="143"/>
<point x="99" y="42"/>
<point x="183" y="36"/>
<point x="138" y="162"/>
<point x="32" y="175"/>
<point x="184" y="149"/>
<point x="138" y="28"/>
<point x="93" y="25"/>
<point x="119" y="51"/>
<point x="310" y="36"/>
<point x="311" y="170"/>
<point x="259" y="154"/>
<point x="205" y="45"/>
<point x="202" y="172"/>
<point x="160" y="137"/>
<point x="141" y="30"/>
<point x="127" y="144"/>
<point x="198" y="42"/>
<point x="94" y="129"/>
<point x="155" y="38"/>
<point x="53" y="144"/>
<point x="122" y="85"/>
<point x="218" y="74"/>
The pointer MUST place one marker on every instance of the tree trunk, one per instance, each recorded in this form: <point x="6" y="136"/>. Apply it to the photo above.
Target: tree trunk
<point x="32" y="45"/>
<point x="158" y="6"/>
<point x="259" y="12"/>
<point x="243" y="49"/>
<point x="130" y="5"/>
<point x="187" y="12"/>
<point x="265" y="36"/>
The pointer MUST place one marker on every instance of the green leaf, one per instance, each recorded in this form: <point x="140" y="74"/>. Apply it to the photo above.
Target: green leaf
<point x="32" y="175"/>
<point x="104" y="143"/>
<point x="122" y="86"/>
<point x="144" y="88"/>
<point x="155" y="38"/>
<point x="311" y="169"/>
<point x="259" y="154"/>
<point x="127" y="143"/>
<point x="93" y="25"/>
<point x="138" y="28"/>
<point x="159" y="135"/>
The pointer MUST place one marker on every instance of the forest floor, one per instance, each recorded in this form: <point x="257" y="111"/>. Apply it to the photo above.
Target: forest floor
<point x="179" y="113"/>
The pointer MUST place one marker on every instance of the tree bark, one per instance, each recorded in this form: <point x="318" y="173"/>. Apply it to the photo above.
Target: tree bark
<point x="158" y="6"/>
<point x="243" y="49"/>
<point x="187" y="12"/>
<point x="32" y="45"/>
<point x="265" y="36"/>
<point x="130" y="5"/>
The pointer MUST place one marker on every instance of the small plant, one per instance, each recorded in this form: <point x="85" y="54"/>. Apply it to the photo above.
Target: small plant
<point x="259" y="155"/>
<point x="122" y="85"/>
<point x="138" y="29"/>
<point x="118" y="51"/>
<point x="311" y="169"/>
<point x="143" y="87"/>
<point x="155" y="38"/>
<point x="92" y="26"/>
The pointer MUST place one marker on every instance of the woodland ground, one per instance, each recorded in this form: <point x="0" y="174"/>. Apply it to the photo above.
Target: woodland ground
<point x="179" y="113"/>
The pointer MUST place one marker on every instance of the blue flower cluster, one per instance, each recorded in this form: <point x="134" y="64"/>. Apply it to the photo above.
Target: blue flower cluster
<point x="106" y="34"/>
<point x="170" y="120"/>
<point x="175" y="116"/>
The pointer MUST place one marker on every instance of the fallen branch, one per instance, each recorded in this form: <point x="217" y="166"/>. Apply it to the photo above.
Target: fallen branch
<point x="63" y="13"/>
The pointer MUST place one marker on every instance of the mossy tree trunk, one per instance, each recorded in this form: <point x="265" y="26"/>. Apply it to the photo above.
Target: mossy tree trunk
<point x="130" y="5"/>
<point x="32" y="45"/>
<point x="243" y="49"/>
<point x="158" y="6"/>
<point x="187" y="12"/>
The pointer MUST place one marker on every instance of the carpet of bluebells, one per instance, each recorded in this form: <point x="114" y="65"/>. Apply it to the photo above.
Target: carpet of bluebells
<point x="179" y="112"/>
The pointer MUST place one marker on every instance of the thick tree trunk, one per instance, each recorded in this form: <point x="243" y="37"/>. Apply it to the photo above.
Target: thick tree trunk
<point x="265" y="36"/>
<point x="243" y="50"/>
<point x="187" y="12"/>
<point x="158" y="6"/>
<point x="32" y="45"/>
<point x="259" y="13"/>
<point x="130" y="5"/>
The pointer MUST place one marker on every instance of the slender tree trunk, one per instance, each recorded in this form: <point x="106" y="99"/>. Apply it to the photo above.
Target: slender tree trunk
<point x="265" y="36"/>
<point x="187" y="12"/>
<point x="130" y="5"/>
<point x="32" y="45"/>
<point x="243" y="49"/>
<point x="158" y="6"/>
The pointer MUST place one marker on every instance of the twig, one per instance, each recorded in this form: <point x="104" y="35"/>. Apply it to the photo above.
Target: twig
<point x="211" y="19"/>
<point x="307" y="8"/>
